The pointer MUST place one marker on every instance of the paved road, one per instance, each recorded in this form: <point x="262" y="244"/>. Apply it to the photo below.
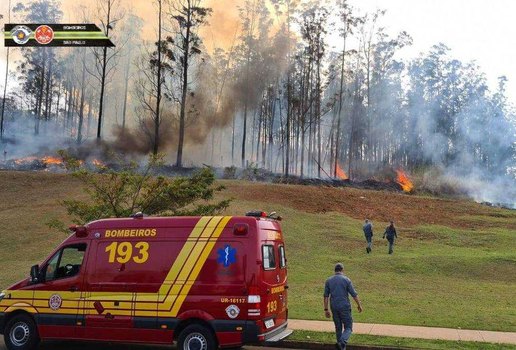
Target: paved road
<point x="410" y="331"/>
<point x="100" y="346"/>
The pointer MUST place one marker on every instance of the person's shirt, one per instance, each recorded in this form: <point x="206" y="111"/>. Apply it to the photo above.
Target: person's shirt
<point x="390" y="232"/>
<point x="368" y="229"/>
<point x="338" y="287"/>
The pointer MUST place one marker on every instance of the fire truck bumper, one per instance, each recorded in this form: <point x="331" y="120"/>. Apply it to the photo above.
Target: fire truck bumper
<point x="276" y="335"/>
<point x="252" y="335"/>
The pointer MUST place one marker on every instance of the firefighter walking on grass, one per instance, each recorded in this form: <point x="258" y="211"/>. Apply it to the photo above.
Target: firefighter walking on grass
<point x="390" y="233"/>
<point x="368" y="233"/>
<point x="336" y="289"/>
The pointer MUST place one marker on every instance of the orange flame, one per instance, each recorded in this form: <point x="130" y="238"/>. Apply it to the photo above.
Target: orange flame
<point x="340" y="173"/>
<point x="98" y="163"/>
<point x="51" y="160"/>
<point x="404" y="181"/>
<point x="25" y="160"/>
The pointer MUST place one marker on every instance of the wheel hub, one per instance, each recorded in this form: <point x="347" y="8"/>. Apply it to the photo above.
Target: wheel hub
<point x="20" y="334"/>
<point x="195" y="341"/>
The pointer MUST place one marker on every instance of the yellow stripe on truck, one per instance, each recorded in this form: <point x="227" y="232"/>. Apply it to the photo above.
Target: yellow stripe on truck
<point x="183" y="255"/>
<point x="164" y="309"/>
<point x="200" y="263"/>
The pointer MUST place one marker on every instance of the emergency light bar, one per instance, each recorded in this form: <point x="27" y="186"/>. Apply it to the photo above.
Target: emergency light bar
<point x="80" y="231"/>
<point x="256" y="214"/>
<point x="262" y="214"/>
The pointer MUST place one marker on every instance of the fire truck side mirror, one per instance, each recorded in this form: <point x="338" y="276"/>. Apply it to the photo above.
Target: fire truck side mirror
<point x="34" y="274"/>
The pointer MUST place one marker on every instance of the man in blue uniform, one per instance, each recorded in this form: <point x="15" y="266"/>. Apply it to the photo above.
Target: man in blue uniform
<point x="390" y="233"/>
<point x="368" y="232"/>
<point x="336" y="289"/>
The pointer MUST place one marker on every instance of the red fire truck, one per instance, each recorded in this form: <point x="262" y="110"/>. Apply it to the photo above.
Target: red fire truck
<point x="205" y="282"/>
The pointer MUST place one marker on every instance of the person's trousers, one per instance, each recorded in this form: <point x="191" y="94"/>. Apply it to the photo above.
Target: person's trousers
<point x="391" y="245"/>
<point x="342" y="317"/>
<point x="369" y="240"/>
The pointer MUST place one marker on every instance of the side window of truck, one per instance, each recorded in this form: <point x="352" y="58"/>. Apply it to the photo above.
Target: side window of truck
<point x="65" y="263"/>
<point x="269" y="260"/>
<point x="282" y="258"/>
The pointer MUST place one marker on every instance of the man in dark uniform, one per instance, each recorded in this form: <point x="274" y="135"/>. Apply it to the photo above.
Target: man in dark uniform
<point x="337" y="288"/>
<point x="368" y="232"/>
<point x="390" y="233"/>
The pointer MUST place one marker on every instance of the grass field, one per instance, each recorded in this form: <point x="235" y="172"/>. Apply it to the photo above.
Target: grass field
<point x="454" y="264"/>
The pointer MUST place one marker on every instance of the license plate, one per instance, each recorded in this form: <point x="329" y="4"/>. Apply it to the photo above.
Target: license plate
<point x="269" y="323"/>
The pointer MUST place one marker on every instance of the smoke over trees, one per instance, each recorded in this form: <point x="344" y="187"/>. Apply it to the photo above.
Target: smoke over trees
<point x="280" y="96"/>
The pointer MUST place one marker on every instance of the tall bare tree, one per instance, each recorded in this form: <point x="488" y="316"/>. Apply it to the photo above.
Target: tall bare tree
<point x="132" y="29"/>
<point x="189" y="16"/>
<point x="6" y="79"/>
<point x="159" y="80"/>
<point x="109" y="14"/>
<point x="153" y="68"/>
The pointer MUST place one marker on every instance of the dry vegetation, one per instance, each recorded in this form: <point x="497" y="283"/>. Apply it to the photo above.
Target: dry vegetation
<point x="406" y="210"/>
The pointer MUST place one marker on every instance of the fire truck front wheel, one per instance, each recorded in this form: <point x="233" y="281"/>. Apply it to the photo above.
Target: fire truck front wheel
<point x="21" y="333"/>
<point x="196" y="337"/>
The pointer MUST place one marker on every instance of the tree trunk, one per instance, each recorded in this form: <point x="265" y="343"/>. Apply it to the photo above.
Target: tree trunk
<point x="40" y="94"/>
<point x="5" y="84"/>
<point x="157" y="121"/>
<point x="81" y="103"/>
<point x="184" y="89"/>
<point x="341" y="102"/>
<point x="289" y="109"/>
<point x="5" y="89"/>
<point x="246" y="102"/>
<point x="47" y="92"/>
<point x="126" y="83"/>
<point x="103" y="76"/>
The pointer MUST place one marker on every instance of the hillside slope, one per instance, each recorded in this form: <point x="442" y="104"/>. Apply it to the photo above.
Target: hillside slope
<point x="454" y="264"/>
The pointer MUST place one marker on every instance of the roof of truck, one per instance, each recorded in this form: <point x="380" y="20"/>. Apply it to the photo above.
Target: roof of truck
<point x="176" y="221"/>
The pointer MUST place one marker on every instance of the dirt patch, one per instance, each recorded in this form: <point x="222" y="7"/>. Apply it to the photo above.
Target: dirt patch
<point x="408" y="211"/>
<point x="380" y="206"/>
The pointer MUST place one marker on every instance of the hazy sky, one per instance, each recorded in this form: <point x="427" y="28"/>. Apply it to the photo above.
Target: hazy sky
<point x="477" y="30"/>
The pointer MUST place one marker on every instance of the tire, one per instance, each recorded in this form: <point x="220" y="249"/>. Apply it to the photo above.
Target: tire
<point x="196" y="337"/>
<point x="21" y="333"/>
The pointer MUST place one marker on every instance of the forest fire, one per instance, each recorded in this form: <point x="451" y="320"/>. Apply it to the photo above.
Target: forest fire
<point x="98" y="163"/>
<point x="44" y="163"/>
<point x="404" y="181"/>
<point x="57" y="164"/>
<point x="340" y="173"/>
<point x="25" y="160"/>
<point x="49" y="160"/>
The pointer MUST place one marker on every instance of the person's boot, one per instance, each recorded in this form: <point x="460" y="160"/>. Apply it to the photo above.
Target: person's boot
<point x="338" y="346"/>
<point x="343" y="346"/>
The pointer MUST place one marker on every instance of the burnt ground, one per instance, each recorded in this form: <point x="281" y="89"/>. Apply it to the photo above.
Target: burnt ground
<point x="405" y="209"/>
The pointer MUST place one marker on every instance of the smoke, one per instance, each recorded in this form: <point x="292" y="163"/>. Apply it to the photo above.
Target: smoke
<point x="438" y="109"/>
<point x="465" y="129"/>
<point x="20" y="141"/>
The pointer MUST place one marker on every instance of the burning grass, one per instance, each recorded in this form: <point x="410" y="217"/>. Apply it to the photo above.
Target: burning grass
<point x="403" y="180"/>
<point x="49" y="163"/>
<point x="340" y="173"/>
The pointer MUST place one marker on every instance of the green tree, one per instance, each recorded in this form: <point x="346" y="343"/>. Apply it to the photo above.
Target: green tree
<point x="123" y="193"/>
